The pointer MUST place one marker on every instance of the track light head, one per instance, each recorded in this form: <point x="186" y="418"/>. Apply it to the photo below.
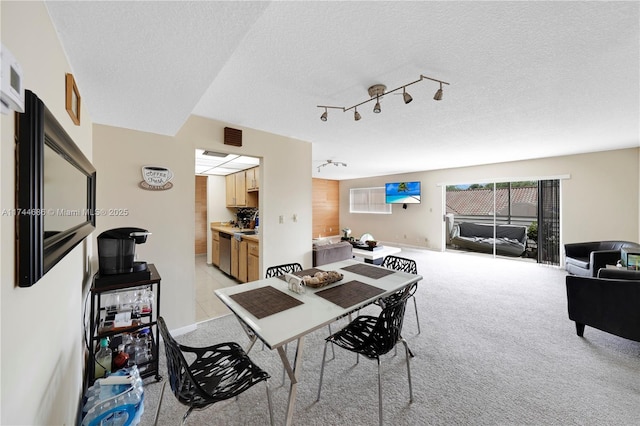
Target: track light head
<point x="356" y="115"/>
<point x="438" y="95"/>
<point x="377" y="108"/>
<point x="323" y="117"/>
<point x="407" y="97"/>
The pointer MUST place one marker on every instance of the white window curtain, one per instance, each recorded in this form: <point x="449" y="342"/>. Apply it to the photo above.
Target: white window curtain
<point x="368" y="200"/>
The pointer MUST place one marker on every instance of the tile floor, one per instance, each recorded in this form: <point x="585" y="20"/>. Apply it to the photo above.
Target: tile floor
<point x="208" y="279"/>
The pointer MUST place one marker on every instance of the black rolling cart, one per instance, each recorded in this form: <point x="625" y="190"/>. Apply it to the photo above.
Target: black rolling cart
<point x="104" y="325"/>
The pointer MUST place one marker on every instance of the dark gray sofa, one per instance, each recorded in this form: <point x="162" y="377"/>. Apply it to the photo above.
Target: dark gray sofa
<point x="585" y="259"/>
<point x="332" y="252"/>
<point x="511" y="240"/>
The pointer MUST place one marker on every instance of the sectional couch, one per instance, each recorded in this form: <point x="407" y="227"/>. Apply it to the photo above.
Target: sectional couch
<point x="510" y="240"/>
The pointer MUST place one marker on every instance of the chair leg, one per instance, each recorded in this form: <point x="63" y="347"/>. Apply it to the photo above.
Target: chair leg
<point x="324" y="355"/>
<point x="155" y="419"/>
<point x="269" y="403"/>
<point x="407" y="351"/>
<point x="184" y="418"/>
<point x="379" y="391"/>
<point x="415" y="305"/>
<point x="333" y="350"/>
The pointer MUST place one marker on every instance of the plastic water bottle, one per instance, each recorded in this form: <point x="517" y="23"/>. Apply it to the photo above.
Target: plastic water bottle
<point x="103" y="360"/>
<point x="115" y="402"/>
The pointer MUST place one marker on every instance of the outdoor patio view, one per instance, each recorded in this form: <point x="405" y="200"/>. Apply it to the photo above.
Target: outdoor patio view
<point x="495" y="218"/>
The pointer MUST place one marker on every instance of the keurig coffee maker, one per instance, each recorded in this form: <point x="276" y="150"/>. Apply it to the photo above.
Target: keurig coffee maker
<point x="116" y="255"/>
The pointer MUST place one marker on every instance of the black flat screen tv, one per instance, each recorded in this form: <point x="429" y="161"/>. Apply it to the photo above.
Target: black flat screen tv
<point x="402" y="192"/>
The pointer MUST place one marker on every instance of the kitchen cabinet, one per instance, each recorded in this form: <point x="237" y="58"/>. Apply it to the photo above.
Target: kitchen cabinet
<point x="237" y="194"/>
<point x="236" y="190"/>
<point x="215" y="248"/>
<point x="235" y="259"/>
<point x="252" y="177"/>
<point x="242" y="261"/>
<point x="239" y="259"/>
<point x="138" y="299"/>
<point x="253" y="261"/>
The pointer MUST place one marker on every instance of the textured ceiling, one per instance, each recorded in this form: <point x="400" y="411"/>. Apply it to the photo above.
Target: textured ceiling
<point x="527" y="79"/>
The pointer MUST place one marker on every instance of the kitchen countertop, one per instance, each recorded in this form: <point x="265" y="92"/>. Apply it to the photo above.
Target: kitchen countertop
<point x="231" y="230"/>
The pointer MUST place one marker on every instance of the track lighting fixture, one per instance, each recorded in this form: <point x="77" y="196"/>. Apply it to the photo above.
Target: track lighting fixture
<point x="407" y="97"/>
<point x="438" y="95"/>
<point x="335" y="163"/>
<point x="377" y="91"/>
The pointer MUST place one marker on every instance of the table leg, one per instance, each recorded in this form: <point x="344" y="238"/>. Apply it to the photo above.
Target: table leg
<point x="294" y="374"/>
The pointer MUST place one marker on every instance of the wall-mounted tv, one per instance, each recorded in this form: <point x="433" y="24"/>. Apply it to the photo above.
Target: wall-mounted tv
<point x="402" y="193"/>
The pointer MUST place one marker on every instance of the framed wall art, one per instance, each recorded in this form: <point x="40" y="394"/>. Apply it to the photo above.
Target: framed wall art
<point x="72" y="100"/>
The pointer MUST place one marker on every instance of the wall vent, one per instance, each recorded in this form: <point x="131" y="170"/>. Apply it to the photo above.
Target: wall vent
<point x="232" y="136"/>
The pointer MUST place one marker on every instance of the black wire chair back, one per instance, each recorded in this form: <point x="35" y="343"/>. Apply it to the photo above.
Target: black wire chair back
<point x="216" y="372"/>
<point x="403" y="264"/>
<point x="400" y="264"/>
<point x="374" y="336"/>
<point x="287" y="268"/>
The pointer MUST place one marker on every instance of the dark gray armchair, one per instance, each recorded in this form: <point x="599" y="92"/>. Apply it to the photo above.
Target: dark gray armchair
<point x="585" y="259"/>
<point x="609" y="304"/>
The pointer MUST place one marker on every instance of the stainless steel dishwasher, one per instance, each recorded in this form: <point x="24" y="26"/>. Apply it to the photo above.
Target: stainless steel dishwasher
<point x="225" y="253"/>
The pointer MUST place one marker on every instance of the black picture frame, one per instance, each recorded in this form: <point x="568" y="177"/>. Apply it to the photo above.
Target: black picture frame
<point x="38" y="251"/>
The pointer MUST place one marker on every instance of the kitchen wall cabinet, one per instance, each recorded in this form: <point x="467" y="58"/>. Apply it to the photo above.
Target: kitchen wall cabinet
<point x="215" y="248"/>
<point x="253" y="261"/>
<point x="236" y="190"/>
<point x="252" y="177"/>
<point x="237" y="194"/>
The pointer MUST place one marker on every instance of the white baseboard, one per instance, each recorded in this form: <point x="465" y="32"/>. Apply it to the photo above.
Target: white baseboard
<point x="183" y="330"/>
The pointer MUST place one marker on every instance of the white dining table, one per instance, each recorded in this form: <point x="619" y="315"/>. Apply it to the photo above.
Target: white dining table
<point x="315" y="312"/>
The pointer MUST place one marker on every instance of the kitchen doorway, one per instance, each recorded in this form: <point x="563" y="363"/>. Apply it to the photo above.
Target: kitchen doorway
<point x="211" y="169"/>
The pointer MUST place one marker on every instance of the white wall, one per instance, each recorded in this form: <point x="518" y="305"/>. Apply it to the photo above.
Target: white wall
<point x="217" y="210"/>
<point x="41" y="335"/>
<point x="599" y="201"/>
<point x="120" y="153"/>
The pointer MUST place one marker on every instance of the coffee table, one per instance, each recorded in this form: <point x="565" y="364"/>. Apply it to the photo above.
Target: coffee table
<point x="375" y="256"/>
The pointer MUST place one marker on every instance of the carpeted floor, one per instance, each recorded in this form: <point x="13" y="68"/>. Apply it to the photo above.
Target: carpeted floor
<point x="496" y="348"/>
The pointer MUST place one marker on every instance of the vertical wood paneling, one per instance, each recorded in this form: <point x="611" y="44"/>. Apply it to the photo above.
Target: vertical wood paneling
<point x="201" y="215"/>
<point x="326" y="208"/>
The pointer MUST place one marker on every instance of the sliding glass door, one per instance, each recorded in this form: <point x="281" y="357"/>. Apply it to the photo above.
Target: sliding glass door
<point x="549" y="222"/>
<point x="498" y="218"/>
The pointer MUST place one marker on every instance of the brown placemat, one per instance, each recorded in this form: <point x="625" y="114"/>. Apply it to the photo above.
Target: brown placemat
<point x="368" y="270"/>
<point x="350" y="293"/>
<point x="264" y="301"/>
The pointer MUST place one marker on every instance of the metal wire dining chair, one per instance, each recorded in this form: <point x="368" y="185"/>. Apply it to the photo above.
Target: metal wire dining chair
<point x="287" y="268"/>
<point x="218" y="372"/>
<point x="398" y="263"/>
<point x="375" y="336"/>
